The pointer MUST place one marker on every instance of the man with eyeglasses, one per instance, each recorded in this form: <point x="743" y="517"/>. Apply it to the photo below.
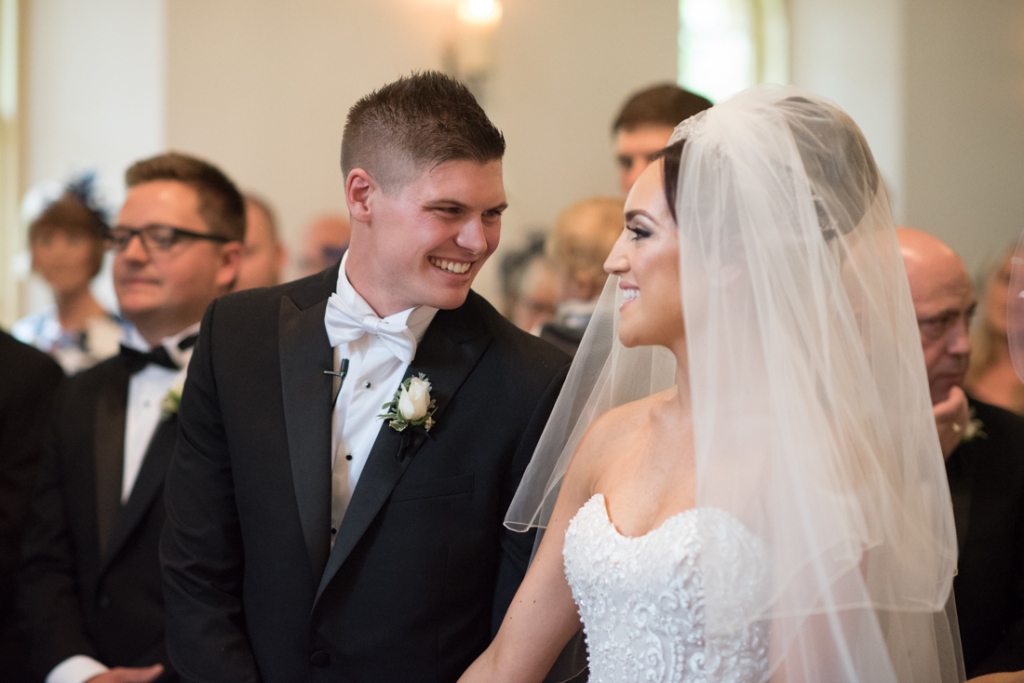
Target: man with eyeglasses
<point x="91" y="584"/>
<point x="984" y="450"/>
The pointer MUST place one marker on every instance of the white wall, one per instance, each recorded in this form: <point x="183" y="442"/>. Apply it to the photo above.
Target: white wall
<point x="262" y="88"/>
<point x="852" y="52"/>
<point x="96" y="97"/>
<point x="96" y="87"/>
<point x="965" y="123"/>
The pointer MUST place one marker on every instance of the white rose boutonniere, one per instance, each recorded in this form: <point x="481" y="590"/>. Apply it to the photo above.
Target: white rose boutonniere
<point x="411" y="406"/>
<point x="975" y="429"/>
<point x="172" y="399"/>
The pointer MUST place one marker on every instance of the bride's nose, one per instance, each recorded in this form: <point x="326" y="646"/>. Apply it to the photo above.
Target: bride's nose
<point x="616" y="263"/>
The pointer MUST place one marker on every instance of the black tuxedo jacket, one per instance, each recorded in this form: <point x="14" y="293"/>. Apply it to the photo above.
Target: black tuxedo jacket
<point x="422" y="568"/>
<point x="986" y="480"/>
<point x="91" y="583"/>
<point x="28" y="381"/>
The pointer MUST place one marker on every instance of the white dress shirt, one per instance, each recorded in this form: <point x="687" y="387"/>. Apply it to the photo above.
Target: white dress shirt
<point x="374" y="375"/>
<point x="146" y="392"/>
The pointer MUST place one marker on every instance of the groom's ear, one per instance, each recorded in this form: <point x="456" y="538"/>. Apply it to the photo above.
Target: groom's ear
<point x="360" y="187"/>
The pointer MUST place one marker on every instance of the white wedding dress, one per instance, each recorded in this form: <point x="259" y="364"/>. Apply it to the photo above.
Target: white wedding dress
<point x="642" y="598"/>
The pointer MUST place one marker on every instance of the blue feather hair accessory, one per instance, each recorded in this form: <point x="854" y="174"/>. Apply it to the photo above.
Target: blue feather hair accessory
<point x="82" y="188"/>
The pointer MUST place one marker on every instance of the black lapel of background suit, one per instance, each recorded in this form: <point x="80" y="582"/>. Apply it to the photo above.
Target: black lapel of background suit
<point x="305" y="352"/>
<point x="108" y="450"/>
<point x="148" y="484"/>
<point x="450" y="350"/>
<point x="960" y="471"/>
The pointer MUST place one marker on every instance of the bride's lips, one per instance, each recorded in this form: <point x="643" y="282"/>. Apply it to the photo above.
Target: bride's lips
<point x="450" y="266"/>
<point x="630" y="293"/>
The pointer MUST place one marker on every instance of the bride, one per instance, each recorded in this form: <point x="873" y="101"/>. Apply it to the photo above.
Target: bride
<point x="747" y="484"/>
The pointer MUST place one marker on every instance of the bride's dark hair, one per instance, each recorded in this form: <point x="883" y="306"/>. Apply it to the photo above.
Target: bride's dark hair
<point x="672" y="155"/>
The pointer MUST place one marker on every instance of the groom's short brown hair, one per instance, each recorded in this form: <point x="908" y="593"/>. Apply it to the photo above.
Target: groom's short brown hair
<point x="417" y="123"/>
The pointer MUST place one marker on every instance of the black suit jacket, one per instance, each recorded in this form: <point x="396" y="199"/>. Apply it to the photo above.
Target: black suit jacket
<point x="422" y="568"/>
<point x="28" y="382"/>
<point x="986" y="480"/>
<point x="80" y="594"/>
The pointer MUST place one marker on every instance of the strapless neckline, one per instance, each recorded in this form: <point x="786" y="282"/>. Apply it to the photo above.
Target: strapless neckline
<point x="665" y="523"/>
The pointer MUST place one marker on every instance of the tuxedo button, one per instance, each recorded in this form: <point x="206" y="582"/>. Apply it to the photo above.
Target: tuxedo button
<point x="104" y="602"/>
<point x="319" y="658"/>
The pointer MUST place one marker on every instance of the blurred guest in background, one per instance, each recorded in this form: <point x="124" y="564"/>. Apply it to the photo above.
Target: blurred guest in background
<point x="66" y="241"/>
<point x="324" y="243"/>
<point x="984" y="449"/>
<point x="645" y="123"/>
<point x="991" y="377"/>
<point x="583" y="236"/>
<point x="263" y="255"/>
<point x="91" y="588"/>
<point x="529" y="285"/>
<point x="30" y="379"/>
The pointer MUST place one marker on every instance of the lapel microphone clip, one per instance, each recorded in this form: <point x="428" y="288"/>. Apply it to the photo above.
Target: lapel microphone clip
<point x="342" y="371"/>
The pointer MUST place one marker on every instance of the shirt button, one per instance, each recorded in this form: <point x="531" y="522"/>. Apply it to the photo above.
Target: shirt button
<point x="319" y="658"/>
<point x="348" y="457"/>
<point x="367" y="385"/>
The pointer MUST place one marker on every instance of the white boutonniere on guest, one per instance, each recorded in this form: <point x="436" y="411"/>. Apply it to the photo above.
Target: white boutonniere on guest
<point x="974" y="429"/>
<point x="172" y="399"/>
<point x="411" y="406"/>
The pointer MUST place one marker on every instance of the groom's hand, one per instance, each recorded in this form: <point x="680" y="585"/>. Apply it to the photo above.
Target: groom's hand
<point x="951" y="418"/>
<point x="129" y="675"/>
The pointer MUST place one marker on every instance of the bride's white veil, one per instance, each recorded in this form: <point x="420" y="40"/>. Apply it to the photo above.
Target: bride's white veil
<point x="811" y="413"/>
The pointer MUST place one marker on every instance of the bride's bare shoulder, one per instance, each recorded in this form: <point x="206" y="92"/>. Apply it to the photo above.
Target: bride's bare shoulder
<point x="611" y="433"/>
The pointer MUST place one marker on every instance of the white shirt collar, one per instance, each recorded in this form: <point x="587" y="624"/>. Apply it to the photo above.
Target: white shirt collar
<point x="417" y="318"/>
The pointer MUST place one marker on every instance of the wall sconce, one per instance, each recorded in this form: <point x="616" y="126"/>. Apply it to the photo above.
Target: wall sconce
<point x="471" y="57"/>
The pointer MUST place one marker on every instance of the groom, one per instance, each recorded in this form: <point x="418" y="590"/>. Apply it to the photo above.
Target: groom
<point x="308" y="539"/>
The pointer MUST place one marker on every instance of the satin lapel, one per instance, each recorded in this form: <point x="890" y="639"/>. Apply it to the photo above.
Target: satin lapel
<point x="449" y="351"/>
<point x="305" y="352"/>
<point x="148" y="484"/>
<point x="108" y="452"/>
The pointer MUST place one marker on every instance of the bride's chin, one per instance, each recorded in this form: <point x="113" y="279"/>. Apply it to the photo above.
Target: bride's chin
<point x="631" y="339"/>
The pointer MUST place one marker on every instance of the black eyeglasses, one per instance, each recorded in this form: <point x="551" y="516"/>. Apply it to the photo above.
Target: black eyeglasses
<point x="155" y="237"/>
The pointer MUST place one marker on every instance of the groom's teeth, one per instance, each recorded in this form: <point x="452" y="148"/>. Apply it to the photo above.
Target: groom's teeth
<point x="450" y="266"/>
<point x="630" y="294"/>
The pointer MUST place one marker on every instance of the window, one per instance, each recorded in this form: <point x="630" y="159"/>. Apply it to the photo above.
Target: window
<point x="728" y="45"/>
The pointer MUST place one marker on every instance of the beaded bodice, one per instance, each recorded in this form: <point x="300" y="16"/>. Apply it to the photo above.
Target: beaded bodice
<point x="642" y="598"/>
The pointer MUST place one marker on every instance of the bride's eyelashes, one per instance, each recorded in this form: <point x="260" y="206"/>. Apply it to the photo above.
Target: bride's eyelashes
<point x="639" y="233"/>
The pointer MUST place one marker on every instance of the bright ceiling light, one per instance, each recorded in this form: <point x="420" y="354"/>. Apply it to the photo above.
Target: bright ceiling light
<point x="481" y="12"/>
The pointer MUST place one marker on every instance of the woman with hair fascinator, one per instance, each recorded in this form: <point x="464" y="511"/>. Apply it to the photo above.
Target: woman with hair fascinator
<point x="741" y="480"/>
<point x="67" y="244"/>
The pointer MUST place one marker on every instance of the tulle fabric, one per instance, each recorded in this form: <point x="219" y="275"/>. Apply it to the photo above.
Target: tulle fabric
<point x="811" y="412"/>
<point x="1015" y="310"/>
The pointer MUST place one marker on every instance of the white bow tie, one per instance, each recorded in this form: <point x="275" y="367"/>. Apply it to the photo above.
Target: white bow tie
<point x="345" y="325"/>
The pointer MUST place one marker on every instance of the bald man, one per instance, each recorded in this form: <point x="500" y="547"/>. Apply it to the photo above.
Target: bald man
<point x="583" y="236"/>
<point x="324" y="244"/>
<point x="984" y="450"/>
<point x="263" y="255"/>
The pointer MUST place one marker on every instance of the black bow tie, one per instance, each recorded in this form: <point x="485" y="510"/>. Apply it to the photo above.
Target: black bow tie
<point x="136" y="360"/>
